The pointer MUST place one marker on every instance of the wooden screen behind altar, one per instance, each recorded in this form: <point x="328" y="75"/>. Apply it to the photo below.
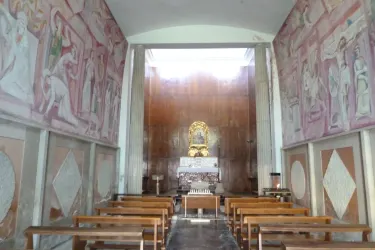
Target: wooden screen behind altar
<point x="227" y="106"/>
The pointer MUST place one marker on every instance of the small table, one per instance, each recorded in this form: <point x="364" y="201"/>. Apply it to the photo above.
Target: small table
<point x="201" y="202"/>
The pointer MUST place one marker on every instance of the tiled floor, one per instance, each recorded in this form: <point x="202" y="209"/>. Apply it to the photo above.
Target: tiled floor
<point x="188" y="235"/>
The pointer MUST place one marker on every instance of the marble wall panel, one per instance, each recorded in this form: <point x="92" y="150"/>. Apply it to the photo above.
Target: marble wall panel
<point x="66" y="187"/>
<point x="11" y="162"/>
<point x="339" y="179"/>
<point x="67" y="179"/>
<point x="298" y="176"/>
<point x="340" y="188"/>
<point x="105" y="175"/>
<point x="18" y="166"/>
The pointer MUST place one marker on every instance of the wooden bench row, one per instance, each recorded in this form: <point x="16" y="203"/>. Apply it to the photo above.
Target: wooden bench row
<point x="137" y="220"/>
<point x="293" y="224"/>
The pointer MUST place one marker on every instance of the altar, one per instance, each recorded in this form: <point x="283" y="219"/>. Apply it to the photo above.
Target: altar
<point x="198" y="169"/>
<point x="198" y="166"/>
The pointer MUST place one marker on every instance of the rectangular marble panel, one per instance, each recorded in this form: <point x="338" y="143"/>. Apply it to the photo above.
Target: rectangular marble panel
<point x="298" y="176"/>
<point x="105" y="175"/>
<point x="66" y="187"/>
<point x="66" y="184"/>
<point x="11" y="162"/>
<point x="339" y="179"/>
<point x="67" y="179"/>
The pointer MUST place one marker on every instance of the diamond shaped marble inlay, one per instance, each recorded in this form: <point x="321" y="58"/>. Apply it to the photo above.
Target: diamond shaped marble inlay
<point x="67" y="183"/>
<point x="339" y="184"/>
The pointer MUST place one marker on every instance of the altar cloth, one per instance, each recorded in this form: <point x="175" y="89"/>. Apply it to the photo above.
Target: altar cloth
<point x="198" y="170"/>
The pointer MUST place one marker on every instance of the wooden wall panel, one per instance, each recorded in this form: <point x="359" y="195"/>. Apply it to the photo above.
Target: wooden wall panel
<point x="228" y="108"/>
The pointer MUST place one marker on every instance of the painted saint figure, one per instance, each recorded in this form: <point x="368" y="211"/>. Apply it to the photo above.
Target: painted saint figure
<point x="89" y="78"/>
<point x="198" y="138"/>
<point x="57" y="92"/>
<point x="14" y="74"/>
<point x="58" y="84"/>
<point x="314" y="106"/>
<point x="59" y="40"/>
<point x="363" y="107"/>
<point x="107" y="110"/>
<point x="287" y="117"/>
<point x="62" y="68"/>
<point x="115" y="108"/>
<point x="339" y="85"/>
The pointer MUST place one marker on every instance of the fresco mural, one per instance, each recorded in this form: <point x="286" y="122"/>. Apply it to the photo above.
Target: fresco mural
<point x="325" y="51"/>
<point x="61" y="65"/>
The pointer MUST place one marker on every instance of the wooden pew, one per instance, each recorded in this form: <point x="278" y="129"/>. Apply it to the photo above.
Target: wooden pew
<point x="110" y="221"/>
<point x="81" y="235"/>
<point x="306" y="245"/>
<point x="314" y="228"/>
<point x="201" y="201"/>
<point x="234" y="206"/>
<point x="147" y="198"/>
<point x="228" y="201"/>
<point x="268" y="211"/>
<point x="143" y="204"/>
<point x="134" y="211"/>
<point x="253" y="221"/>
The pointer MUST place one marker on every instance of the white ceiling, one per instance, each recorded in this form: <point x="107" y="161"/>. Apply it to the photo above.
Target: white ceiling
<point x="140" y="16"/>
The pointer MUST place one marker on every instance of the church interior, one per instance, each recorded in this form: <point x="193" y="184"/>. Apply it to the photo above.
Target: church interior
<point x="178" y="125"/>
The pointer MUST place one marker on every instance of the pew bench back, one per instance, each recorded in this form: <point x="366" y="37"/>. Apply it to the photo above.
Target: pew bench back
<point x="143" y="204"/>
<point x="82" y="234"/>
<point x="306" y="245"/>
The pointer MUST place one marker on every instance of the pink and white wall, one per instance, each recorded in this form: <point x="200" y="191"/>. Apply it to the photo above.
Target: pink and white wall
<point x="61" y="67"/>
<point x="61" y="71"/>
<point x="325" y="54"/>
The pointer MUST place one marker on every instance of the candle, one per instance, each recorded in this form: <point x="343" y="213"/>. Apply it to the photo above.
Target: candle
<point x="278" y="186"/>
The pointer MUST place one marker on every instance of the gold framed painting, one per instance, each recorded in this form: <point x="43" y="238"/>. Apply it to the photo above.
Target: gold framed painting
<point x="198" y="139"/>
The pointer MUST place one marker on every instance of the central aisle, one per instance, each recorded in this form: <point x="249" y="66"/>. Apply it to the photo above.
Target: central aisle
<point x="188" y="235"/>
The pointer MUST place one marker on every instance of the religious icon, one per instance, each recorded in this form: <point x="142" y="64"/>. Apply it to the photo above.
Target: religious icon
<point x="198" y="139"/>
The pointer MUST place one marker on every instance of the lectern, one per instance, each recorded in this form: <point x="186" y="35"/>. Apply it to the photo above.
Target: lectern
<point x="157" y="178"/>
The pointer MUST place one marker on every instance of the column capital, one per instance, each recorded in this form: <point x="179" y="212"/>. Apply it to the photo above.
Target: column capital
<point x="261" y="45"/>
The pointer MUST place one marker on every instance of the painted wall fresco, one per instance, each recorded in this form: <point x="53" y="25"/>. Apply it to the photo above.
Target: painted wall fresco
<point x="61" y="65"/>
<point x="325" y="53"/>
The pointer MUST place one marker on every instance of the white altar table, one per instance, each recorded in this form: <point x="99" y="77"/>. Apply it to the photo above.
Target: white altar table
<point x="198" y="169"/>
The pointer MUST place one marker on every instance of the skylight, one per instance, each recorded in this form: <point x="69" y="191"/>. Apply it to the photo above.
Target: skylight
<point x="180" y="62"/>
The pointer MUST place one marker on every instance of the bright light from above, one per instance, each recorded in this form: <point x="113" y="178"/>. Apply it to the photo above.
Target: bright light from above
<point x="179" y="63"/>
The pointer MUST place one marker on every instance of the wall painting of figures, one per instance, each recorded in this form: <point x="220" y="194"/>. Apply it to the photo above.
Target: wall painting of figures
<point x="54" y="59"/>
<point x="328" y="46"/>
